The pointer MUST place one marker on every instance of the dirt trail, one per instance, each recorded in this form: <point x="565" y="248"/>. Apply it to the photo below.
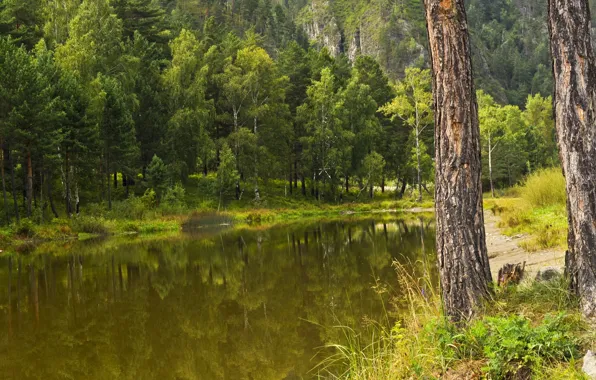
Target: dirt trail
<point x="504" y="249"/>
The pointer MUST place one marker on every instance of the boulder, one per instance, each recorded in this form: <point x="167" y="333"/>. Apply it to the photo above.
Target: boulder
<point x="549" y="274"/>
<point x="589" y="366"/>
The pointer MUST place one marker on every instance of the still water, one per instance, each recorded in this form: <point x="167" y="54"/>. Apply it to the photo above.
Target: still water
<point x="254" y="303"/>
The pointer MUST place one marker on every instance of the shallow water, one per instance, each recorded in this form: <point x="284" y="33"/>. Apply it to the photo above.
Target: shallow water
<point x="216" y="304"/>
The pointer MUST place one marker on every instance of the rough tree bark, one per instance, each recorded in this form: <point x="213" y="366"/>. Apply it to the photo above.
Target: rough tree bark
<point x="461" y="247"/>
<point x="575" y="118"/>
<point x="29" y="183"/>
<point x="13" y="186"/>
<point x="2" y="166"/>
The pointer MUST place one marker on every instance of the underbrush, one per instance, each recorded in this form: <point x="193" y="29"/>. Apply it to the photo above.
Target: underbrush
<point x="145" y="212"/>
<point x="530" y="331"/>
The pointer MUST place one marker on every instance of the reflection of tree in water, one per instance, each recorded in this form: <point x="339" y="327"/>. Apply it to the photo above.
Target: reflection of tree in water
<point x="240" y="305"/>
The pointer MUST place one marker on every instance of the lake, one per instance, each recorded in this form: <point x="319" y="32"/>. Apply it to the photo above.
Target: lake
<point x="213" y="303"/>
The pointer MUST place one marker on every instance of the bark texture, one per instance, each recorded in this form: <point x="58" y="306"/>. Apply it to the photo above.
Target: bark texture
<point x="574" y="98"/>
<point x="461" y="247"/>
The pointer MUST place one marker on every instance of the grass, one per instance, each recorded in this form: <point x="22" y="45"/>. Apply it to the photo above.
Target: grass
<point x="529" y="331"/>
<point x="537" y="210"/>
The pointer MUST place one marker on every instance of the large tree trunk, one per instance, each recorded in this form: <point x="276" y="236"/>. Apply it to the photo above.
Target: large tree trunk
<point x="461" y="247"/>
<point x="2" y="167"/>
<point x="574" y="104"/>
<point x="109" y="187"/>
<point x="49" y="185"/>
<point x="14" y="186"/>
<point x="29" y="183"/>
<point x="67" y="186"/>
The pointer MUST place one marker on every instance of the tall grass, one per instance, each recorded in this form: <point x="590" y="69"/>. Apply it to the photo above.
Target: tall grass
<point x="529" y="331"/>
<point x="382" y="350"/>
<point x="539" y="212"/>
<point x="544" y="188"/>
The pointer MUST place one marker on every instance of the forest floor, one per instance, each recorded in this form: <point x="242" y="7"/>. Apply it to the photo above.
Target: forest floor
<point x="503" y="249"/>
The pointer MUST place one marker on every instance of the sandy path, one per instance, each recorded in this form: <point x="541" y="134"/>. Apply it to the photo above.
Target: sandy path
<point x="504" y="249"/>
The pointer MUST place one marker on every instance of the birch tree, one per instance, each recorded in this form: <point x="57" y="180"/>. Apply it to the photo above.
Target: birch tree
<point x="413" y="105"/>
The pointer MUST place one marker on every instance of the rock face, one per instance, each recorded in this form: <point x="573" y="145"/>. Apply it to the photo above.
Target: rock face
<point x="589" y="366"/>
<point x="374" y="30"/>
<point x="321" y="26"/>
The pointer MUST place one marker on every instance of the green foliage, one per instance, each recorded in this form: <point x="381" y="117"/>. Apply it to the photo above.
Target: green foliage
<point x="90" y="90"/>
<point x="529" y="331"/>
<point x="512" y="345"/>
<point x="26" y="228"/>
<point x="412" y="105"/>
<point x="227" y="175"/>
<point x="174" y="198"/>
<point x="90" y="225"/>
<point x="157" y="176"/>
<point x="545" y="188"/>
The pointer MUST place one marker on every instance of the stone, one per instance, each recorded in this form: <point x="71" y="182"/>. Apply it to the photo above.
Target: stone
<point x="548" y="274"/>
<point x="589" y="366"/>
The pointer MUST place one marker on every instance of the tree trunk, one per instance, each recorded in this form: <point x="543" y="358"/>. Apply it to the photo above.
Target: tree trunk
<point x="402" y="191"/>
<point x="418" y="169"/>
<point x="4" y="184"/>
<point x="29" y="183"/>
<point x="14" y="187"/>
<point x="461" y="247"/>
<point x="115" y="180"/>
<point x="67" y="186"/>
<point x="52" y="205"/>
<point x="490" y="166"/>
<point x="574" y="104"/>
<point x="109" y="187"/>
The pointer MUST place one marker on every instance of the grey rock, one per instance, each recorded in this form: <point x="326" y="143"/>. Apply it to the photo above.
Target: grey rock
<point x="589" y="366"/>
<point x="549" y="274"/>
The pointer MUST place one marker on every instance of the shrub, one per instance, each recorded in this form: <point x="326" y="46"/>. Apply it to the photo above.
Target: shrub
<point x="149" y="199"/>
<point x="90" y="225"/>
<point x="131" y="227"/>
<point x="25" y="229"/>
<point x="174" y="199"/>
<point x="545" y="187"/>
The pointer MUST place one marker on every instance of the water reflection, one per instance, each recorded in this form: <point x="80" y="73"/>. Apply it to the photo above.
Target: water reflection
<point x="236" y="304"/>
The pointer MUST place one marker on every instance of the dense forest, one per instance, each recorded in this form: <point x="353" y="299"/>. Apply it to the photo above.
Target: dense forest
<point x="329" y="97"/>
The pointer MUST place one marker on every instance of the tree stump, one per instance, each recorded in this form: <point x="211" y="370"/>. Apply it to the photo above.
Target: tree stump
<point x="511" y="274"/>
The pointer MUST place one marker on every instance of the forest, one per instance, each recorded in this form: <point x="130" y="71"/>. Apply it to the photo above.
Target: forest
<point x="276" y="173"/>
<point x="103" y="100"/>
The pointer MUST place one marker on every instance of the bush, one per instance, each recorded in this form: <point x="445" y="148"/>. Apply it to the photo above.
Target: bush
<point x="174" y="199"/>
<point x="545" y="187"/>
<point x="131" y="227"/>
<point x="90" y="225"/>
<point x="25" y="229"/>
